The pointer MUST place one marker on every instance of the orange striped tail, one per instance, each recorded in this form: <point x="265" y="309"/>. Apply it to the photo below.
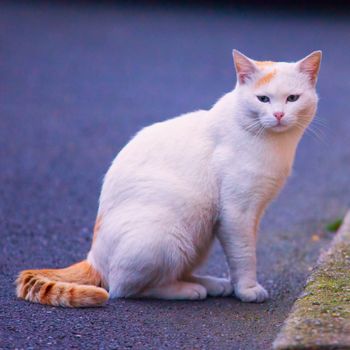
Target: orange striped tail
<point x="75" y="286"/>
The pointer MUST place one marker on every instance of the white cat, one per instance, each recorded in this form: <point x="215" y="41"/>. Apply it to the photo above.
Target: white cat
<point x="180" y="183"/>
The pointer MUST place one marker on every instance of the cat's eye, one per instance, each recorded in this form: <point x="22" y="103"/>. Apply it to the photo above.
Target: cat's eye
<point x="263" y="99"/>
<point x="292" y="98"/>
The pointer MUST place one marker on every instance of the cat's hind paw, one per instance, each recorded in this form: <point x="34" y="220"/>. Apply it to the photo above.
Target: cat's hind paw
<point x="179" y="290"/>
<point x="219" y="287"/>
<point x="215" y="286"/>
<point x="255" y="294"/>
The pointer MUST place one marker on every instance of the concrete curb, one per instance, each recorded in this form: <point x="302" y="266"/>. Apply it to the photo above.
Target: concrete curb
<point x="320" y="317"/>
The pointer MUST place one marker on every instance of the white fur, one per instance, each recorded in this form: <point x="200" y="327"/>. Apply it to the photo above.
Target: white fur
<point x="179" y="183"/>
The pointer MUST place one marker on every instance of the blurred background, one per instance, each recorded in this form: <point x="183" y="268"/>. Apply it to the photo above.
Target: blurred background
<point x="78" y="79"/>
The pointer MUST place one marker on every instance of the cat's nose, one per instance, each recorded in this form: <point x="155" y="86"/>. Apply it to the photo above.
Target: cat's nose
<point x="279" y="115"/>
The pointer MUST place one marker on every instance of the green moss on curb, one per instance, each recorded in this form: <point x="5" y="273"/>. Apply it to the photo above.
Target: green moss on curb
<point x="320" y="318"/>
<point x="327" y="294"/>
<point x="334" y="225"/>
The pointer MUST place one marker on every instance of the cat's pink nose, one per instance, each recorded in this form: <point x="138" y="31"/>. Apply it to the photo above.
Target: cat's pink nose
<point x="279" y="115"/>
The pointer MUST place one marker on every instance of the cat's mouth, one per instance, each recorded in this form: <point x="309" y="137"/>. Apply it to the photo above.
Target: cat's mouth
<point x="258" y="126"/>
<point x="279" y="128"/>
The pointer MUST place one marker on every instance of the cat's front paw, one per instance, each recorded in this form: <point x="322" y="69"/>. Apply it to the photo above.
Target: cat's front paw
<point x="251" y="294"/>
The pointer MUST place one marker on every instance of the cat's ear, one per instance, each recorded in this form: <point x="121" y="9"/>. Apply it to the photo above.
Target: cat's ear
<point x="245" y="67"/>
<point x="310" y="65"/>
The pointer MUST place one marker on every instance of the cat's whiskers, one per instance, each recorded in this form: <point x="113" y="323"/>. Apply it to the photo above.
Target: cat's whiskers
<point x="316" y="126"/>
<point x="260" y="131"/>
<point x="320" y="124"/>
<point x="316" y="119"/>
<point x="315" y="133"/>
<point x="253" y="126"/>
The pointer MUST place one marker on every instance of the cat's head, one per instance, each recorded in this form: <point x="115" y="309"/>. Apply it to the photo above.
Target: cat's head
<point x="277" y="96"/>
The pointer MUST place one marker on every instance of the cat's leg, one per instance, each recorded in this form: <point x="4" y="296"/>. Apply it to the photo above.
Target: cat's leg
<point x="178" y="290"/>
<point x="215" y="286"/>
<point x="237" y="234"/>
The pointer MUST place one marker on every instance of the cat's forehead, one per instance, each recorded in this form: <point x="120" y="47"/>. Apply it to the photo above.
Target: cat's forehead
<point x="265" y="64"/>
<point x="280" y="75"/>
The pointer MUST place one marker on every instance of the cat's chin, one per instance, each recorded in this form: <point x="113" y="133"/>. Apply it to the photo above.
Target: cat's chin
<point x="279" y="128"/>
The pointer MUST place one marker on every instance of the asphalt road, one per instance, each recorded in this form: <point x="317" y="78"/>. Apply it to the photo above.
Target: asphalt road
<point x="76" y="83"/>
